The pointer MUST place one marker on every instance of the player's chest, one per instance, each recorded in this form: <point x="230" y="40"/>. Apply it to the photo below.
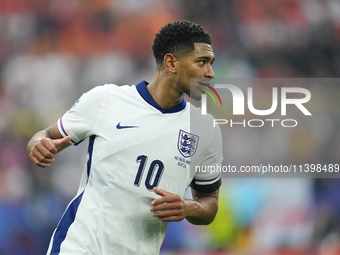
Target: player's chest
<point x="167" y="136"/>
<point x="153" y="148"/>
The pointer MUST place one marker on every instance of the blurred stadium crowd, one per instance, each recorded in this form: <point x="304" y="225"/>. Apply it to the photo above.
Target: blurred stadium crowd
<point x="52" y="51"/>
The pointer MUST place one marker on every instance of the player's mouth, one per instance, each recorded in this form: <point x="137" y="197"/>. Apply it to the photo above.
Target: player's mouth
<point x="203" y="84"/>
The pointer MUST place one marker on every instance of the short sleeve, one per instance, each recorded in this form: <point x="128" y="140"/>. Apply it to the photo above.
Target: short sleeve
<point x="207" y="178"/>
<point x="81" y="120"/>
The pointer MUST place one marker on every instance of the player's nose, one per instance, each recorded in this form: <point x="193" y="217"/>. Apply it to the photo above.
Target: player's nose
<point x="210" y="73"/>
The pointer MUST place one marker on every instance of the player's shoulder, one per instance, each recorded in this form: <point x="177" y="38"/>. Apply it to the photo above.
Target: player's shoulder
<point x="115" y="87"/>
<point x="101" y="93"/>
<point x="108" y="89"/>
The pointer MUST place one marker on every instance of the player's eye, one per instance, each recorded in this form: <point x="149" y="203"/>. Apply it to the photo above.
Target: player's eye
<point x="202" y="62"/>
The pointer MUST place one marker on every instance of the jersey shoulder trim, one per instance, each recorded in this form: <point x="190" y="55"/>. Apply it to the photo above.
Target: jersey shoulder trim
<point x="64" y="133"/>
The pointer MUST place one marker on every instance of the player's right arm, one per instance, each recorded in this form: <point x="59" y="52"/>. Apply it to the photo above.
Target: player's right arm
<point x="45" y="144"/>
<point x="80" y="122"/>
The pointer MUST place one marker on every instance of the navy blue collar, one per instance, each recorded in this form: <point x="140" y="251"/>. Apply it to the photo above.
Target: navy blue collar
<point x="143" y="91"/>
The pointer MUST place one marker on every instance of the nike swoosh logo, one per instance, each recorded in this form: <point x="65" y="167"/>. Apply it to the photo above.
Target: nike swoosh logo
<point x="121" y="127"/>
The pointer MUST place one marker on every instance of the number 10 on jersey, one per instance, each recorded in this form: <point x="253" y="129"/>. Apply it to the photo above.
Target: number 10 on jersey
<point x="154" y="173"/>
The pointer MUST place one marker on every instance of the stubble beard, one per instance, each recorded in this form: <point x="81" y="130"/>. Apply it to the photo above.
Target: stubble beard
<point x="192" y="92"/>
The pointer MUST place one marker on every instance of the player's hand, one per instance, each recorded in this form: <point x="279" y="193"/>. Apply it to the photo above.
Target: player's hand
<point x="43" y="152"/>
<point x="170" y="207"/>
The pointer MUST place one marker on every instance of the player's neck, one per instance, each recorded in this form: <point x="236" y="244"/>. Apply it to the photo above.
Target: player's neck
<point x="163" y="92"/>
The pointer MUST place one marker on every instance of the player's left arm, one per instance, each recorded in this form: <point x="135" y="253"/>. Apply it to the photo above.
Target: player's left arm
<point x="201" y="210"/>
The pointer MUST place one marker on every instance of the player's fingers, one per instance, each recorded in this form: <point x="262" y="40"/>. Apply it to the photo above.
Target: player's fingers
<point x="43" y="164"/>
<point x="46" y="148"/>
<point x="59" y="142"/>
<point x="42" y="154"/>
<point x="167" y="199"/>
<point x="167" y="206"/>
<point x="171" y="218"/>
<point x="168" y="213"/>
<point x="40" y="157"/>
<point x="161" y="192"/>
<point x="37" y="162"/>
<point x="49" y="145"/>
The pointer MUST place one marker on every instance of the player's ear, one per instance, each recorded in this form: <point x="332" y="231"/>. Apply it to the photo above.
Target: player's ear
<point x="170" y="62"/>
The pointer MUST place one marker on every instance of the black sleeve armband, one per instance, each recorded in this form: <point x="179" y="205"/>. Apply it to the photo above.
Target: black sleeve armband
<point x="206" y="188"/>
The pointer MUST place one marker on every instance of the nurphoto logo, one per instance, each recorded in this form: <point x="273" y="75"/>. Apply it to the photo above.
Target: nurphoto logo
<point x="240" y="100"/>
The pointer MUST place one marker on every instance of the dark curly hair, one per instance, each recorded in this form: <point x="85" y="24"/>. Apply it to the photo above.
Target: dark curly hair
<point x="178" y="36"/>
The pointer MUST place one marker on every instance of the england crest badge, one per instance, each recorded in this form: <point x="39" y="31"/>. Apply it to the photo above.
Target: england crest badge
<point x="187" y="143"/>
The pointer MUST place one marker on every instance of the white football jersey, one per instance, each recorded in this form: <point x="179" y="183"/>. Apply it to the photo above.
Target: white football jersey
<point x="134" y="145"/>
